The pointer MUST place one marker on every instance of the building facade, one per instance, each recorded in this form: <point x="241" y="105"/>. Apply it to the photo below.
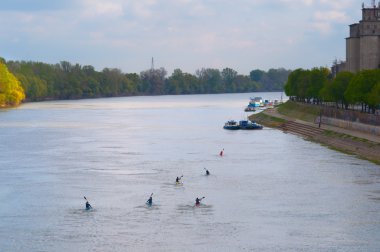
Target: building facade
<point x="363" y="44"/>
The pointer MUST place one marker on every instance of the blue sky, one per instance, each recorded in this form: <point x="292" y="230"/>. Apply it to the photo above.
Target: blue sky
<point x="186" y="34"/>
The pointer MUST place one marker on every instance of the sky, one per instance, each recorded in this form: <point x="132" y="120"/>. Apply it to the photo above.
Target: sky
<point x="187" y="34"/>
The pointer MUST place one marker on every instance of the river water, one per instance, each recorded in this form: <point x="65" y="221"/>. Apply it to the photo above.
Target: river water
<point x="269" y="192"/>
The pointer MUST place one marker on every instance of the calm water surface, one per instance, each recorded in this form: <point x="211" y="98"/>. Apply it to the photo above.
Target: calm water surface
<point x="270" y="191"/>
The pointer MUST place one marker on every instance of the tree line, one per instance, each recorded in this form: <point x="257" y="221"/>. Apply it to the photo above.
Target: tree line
<point x="346" y="90"/>
<point x="64" y="80"/>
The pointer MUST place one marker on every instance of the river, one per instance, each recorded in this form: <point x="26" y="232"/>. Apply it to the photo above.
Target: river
<point x="270" y="191"/>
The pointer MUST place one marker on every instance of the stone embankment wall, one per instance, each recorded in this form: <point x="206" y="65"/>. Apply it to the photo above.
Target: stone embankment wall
<point x="349" y="115"/>
<point x="366" y="128"/>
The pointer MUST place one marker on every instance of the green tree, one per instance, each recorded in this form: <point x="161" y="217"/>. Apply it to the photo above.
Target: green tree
<point x="339" y="85"/>
<point x="256" y="75"/>
<point x="297" y="85"/>
<point x="153" y="81"/>
<point x="374" y="97"/>
<point x="360" y="88"/>
<point x="317" y="77"/>
<point x="210" y="79"/>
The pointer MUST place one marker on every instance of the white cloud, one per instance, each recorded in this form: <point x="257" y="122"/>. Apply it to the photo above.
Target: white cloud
<point x="95" y="8"/>
<point x="322" y="27"/>
<point x="297" y="2"/>
<point x="331" y="16"/>
<point x="340" y="4"/>
<point x="206" y="43"/>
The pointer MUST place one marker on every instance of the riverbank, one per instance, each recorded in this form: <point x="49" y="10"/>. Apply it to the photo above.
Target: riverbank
<point x="301" y="122"/>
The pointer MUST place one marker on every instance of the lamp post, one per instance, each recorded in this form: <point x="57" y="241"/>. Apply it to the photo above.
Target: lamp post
<point x="320" y="116"/>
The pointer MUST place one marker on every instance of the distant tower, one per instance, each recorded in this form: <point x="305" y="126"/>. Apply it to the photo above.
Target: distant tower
<point x="152" y="65"/>
<point x="363" y="44"/>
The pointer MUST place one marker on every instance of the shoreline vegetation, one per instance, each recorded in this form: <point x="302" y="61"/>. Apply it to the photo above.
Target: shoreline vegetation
<point x="302" y="120"/>
<point x="65" y="81"/>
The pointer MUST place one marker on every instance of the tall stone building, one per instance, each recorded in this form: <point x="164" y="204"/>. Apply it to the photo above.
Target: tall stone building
<point x="363" y="44"/>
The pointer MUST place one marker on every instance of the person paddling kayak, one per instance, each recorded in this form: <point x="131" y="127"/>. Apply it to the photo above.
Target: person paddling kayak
<point x="198" y="201"/>
<point x="221" y="153"/>
<point x="207" y="172"/>
<point x="88" y="206"/>
<point x="150" y="200"/>
<point x="178" y="180"/>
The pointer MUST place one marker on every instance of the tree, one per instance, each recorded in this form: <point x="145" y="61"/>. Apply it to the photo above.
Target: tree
<point x="374" y="97"/>
<point x="228" y="77"/>
<point x="360" y="88"/>
<point x="339" y="86"/>
<point x="11" y="92"/>
<point x="153" y="81"/>
<point x="256" y="75"/>
<point x="211" y="80"/>
<point x="318" y="78"/>
<point x="297" y="84"/>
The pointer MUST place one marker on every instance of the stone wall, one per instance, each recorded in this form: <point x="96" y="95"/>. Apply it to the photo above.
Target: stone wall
<point x="351" y="115"/>
<point x="365" y="128"/>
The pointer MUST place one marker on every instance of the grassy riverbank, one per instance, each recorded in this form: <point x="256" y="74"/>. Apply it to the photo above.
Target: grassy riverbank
<point x="303" y="112"/>
<point x="294" y="118"/>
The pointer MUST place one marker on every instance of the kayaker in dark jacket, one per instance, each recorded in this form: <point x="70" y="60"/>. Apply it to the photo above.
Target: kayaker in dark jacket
<point x="207" y="172"/>
<point x="150" y="200"/>
<point x="198" y="201"/>
<point x="88" y="206"/>
<point x="178" y="180"/>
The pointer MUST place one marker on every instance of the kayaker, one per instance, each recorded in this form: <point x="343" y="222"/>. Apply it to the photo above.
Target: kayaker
<point x="178" y="180"/>
<point x="88" y="206"/>
<point x="207" y="172"/>
<point x="221" y="152"/>
<point x="198" y="201"/>
<point x="150" y="200"/>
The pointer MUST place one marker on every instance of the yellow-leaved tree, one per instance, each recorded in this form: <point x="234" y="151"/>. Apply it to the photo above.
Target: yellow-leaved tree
<point x="11" y="92"/>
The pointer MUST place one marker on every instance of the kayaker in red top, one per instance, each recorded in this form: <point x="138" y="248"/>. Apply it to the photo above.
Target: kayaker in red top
<point x="221" y="152"/>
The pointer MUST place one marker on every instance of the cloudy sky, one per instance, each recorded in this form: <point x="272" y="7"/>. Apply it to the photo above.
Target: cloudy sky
<point x="186" y="34"/>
